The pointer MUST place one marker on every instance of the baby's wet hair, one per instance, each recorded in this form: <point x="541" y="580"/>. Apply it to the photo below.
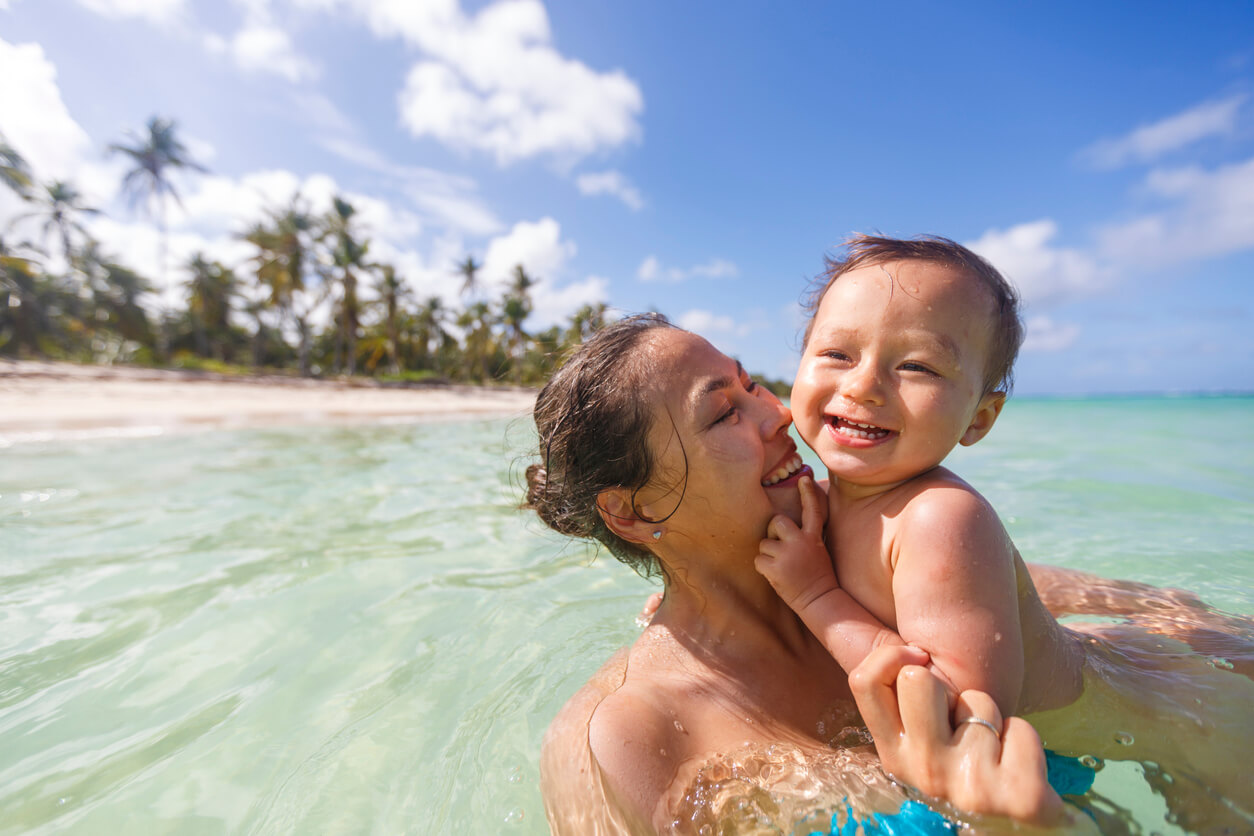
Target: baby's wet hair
<point x="1007" y="326"/>
<point x="593" y="426"/>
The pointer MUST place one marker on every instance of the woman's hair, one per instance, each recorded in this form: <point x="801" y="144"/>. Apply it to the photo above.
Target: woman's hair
<point x="1007" y="327"/>
<point x="593" y="428"/>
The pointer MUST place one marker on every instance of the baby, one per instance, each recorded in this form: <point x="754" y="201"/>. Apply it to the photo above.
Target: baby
<point x="909" y="353"/>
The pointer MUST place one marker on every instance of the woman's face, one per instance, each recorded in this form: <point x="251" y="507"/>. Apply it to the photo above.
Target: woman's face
<point x="729" y="436"/>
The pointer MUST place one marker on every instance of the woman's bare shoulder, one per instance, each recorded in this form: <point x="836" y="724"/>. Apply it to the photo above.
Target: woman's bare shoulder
<point x="577" y="798"/>
<point x="565" y="746"/>
<point x="609" y="755"/>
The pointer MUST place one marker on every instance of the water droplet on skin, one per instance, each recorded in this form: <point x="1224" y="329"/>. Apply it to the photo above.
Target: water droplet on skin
<point x="679" y="727"/>
<point x="1221" y="663"/>
<point x="996" y="637"/>
<point x="514" y="816"/>
<point x="1124" y="739"/>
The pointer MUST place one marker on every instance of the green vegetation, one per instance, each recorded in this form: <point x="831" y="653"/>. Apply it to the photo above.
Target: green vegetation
<point x="63" y="297"/>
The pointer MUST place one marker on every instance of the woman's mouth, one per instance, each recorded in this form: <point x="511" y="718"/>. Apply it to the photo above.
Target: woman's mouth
<point x="857" y="430"/>
<point x="789" y="468"/>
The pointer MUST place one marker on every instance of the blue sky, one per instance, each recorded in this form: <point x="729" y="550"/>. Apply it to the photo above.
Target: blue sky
<point x="699" y="157"/>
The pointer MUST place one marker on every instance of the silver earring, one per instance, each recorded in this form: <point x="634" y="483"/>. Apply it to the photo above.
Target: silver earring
<point x="657" y="535"/>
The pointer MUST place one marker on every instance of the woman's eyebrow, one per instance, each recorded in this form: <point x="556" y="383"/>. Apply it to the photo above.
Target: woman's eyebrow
<point x="716" y="383"/>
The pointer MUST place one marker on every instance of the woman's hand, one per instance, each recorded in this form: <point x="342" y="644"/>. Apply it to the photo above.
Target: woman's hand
<point x="981" y="764"/>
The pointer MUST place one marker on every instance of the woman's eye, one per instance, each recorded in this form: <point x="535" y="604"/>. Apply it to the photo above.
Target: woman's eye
<point x="833" y="354"/>
<point x="728" y="414"/>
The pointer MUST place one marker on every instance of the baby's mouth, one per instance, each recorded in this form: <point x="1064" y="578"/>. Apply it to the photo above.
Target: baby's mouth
<point x="855" y="429"/>
<point x="788" y="468"/>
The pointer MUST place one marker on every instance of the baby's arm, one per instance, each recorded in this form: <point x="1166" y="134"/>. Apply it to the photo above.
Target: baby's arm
<point x="797" y="564"/>
<point x="954" y="591"/>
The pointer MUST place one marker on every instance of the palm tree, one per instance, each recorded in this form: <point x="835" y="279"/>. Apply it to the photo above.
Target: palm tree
<point x="391" y="291"/>
<point x="477" y="322"/>
<point x="210" y="290"/>
<point x="283" y="247"/>
<point x="14" y="171"/>
<point x="585" y="322"/>
<point x="61" y="204"/>
<point x="469" y="271"/>
<point x="514" y="310"/>
<point x="156" y="155"/>
<point x="23" y="314"/>
<point x="115" y="292"/>
<point x="429" y="331"/>
<point x="347" y="256"/>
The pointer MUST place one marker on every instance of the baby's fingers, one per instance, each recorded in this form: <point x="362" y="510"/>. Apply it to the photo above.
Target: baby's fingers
<point x="813" y="507"/>
<point x="780" y="527"/>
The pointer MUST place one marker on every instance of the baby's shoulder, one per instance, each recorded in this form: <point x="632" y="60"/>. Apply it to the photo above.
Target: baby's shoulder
<point x="940" y="491"/>
<point x="944" y="504"/>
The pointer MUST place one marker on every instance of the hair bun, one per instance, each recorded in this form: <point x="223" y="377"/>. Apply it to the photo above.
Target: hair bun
<point x="537" y="486"/>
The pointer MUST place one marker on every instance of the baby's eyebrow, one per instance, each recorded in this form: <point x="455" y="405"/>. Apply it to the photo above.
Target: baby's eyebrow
<point x="942" y="342"/>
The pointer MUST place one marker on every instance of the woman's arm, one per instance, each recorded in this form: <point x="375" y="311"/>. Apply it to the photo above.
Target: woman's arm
<point x="997" y="772"/>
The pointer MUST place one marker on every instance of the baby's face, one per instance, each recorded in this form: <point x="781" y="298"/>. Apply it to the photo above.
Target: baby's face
<point x="892" y="377"/>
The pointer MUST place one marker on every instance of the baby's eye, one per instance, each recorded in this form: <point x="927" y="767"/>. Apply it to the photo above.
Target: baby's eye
<point x="917" y="367"/>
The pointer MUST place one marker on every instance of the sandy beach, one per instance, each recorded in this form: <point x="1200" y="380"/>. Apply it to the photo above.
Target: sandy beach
<point x="49" y="400"/>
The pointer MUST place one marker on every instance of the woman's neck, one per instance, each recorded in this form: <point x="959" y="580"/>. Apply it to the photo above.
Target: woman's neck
<point x="729" y="613"/>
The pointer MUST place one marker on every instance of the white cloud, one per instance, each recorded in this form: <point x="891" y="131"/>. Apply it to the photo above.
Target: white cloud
<point x="495" y="83"/>
<point x="446" y="199"/>
<point x="651" y="270"/>
<point x="36" y="120"/>
<point x="154" y="11"/>
<point x="538" y="246"/>
<point x="735" y="336"/>
<point x="1043" y="273"/>
<point x="1211" y="214"/>
<point x="554" y="305"/>
<point x="264" y="48"/>
<point x="611" y="183"/>
<point x="38" y="125"/>
<point x="706" y="323"/>
<point x="1044" y="334"/>
<point x="1148" y="142"/>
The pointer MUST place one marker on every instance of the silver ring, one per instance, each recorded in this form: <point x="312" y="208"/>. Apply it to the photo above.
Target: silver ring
<point x="980" y="721"/>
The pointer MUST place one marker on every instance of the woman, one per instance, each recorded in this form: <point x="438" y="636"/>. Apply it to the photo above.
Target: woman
<point x="664" y="450"/>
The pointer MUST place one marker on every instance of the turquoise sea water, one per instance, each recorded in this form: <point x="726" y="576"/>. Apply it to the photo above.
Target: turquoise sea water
<point x="353" y="630"/>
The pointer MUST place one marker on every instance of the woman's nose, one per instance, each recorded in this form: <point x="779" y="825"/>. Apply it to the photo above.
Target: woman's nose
<point x="777" y="418"/>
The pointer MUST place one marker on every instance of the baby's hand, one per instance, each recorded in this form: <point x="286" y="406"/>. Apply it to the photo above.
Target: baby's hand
<point x="795" y="560"/>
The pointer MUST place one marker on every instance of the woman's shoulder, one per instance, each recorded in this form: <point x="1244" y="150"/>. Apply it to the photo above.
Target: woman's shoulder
<point x="611" y="748"/>
<point x="577" y="797"/>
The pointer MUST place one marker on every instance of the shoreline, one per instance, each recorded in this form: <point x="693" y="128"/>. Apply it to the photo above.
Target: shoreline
<point x="46" y="400"/>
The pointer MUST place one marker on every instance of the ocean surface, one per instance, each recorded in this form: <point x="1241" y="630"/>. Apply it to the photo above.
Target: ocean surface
<point x="355" y="630"/>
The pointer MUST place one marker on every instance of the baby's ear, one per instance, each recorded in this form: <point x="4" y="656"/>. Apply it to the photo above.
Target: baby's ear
<point x="985" y="416"/>
<point x="616" y="509"/>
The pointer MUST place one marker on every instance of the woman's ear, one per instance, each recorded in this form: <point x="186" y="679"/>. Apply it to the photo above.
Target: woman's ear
<point x="616" y="509"/>
<point x="985" y="416"/>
